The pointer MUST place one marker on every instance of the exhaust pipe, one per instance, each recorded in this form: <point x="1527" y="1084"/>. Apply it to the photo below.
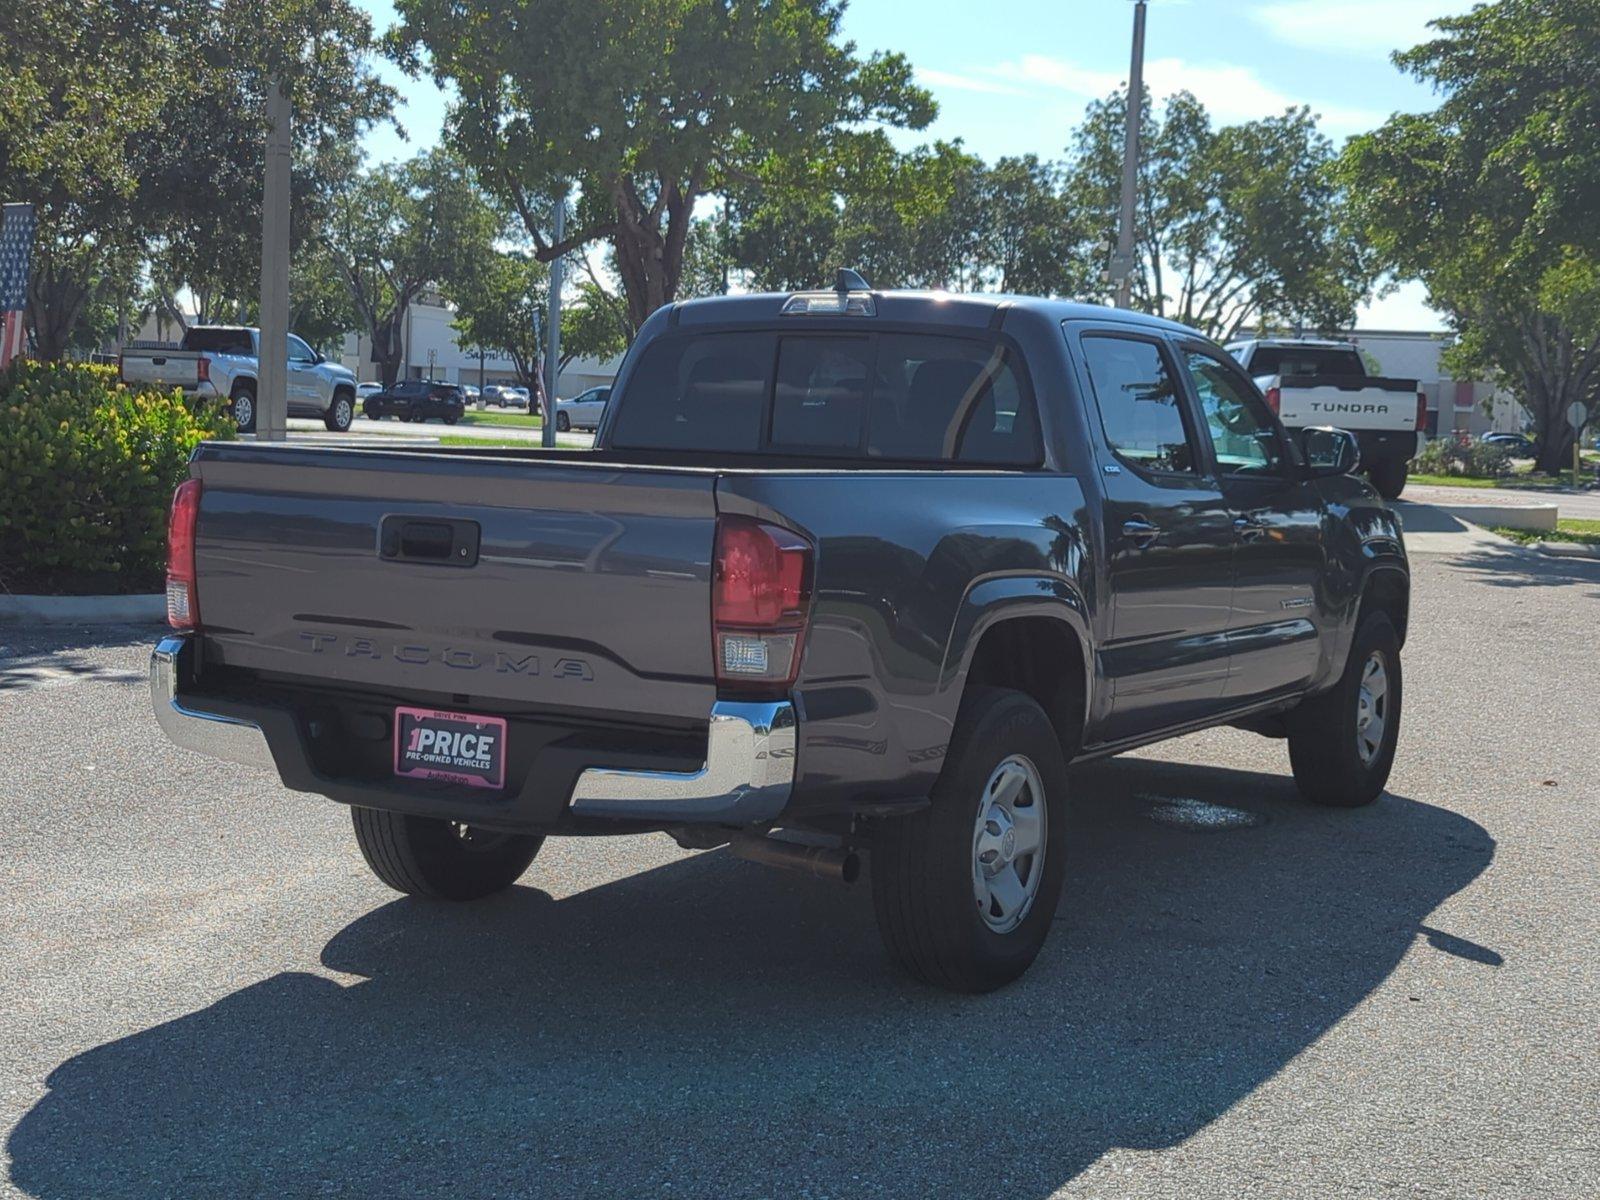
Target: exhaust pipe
<point x="825" y="862"/>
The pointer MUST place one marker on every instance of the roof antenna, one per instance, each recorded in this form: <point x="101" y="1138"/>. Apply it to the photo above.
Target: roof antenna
<point x="850" y="281"/>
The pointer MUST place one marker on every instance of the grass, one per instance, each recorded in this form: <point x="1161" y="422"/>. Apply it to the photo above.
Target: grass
<point x="518" y="443"/>
<point x="1523" y="482"/>
<point x="505" y="420"/>
<point x="1568" y="529"/>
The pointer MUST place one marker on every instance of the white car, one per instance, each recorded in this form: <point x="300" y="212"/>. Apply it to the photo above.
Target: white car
<point x="583" y="411"/>
<point x="363" y="390"/>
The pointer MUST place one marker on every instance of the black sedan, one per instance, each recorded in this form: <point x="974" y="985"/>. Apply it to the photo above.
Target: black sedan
<point x="418" y="400"/>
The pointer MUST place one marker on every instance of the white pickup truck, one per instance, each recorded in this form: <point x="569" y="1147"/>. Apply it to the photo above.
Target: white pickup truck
<point x="1310" y="382"/>
<point x="223" y="361"/>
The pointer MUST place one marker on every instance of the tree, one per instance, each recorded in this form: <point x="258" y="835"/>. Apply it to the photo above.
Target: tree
<point x="645" y="107"/>
<point x="108" y="109"/>
<point x="1037" y="242"/>
<point x="1236" y="226"/>
<point x="396" y="230"/>
<point x="499" y="299"/>
<point x="1491" y="200"/>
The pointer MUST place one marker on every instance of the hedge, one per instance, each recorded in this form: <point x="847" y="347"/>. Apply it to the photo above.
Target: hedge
<point x="87" y="470"/>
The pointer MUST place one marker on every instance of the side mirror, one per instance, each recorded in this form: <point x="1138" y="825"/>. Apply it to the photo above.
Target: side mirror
<point x="1329" y="451"/>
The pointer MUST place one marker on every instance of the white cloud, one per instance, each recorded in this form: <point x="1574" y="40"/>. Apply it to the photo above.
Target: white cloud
<point x="1230" y="92"/>
<point x="964" y="83"/>
<point x="1369" y="27"/>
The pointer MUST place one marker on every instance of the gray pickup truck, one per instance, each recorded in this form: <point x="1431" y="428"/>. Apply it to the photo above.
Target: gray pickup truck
<point x="223" y="361"/>
<point x="847" y="573"/>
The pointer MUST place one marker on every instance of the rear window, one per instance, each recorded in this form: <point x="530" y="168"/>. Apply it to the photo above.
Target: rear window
<point x="218" y="341"/>
<point x="1306" y="360"/>
<point x="918" y="397"/>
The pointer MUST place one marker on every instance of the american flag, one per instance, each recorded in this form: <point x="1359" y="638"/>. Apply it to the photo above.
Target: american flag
<point x="16" y="248"/>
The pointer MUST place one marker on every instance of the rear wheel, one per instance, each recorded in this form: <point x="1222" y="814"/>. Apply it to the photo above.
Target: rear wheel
<point x="442" y="860"/>
<point x="965" y="890"/>
<point x="340" y="413"/>
<point x="243" y="402"/>
<point x="563" y="422"/>
<point x="1342" y="742"/>
<point x="1388" y="475"/>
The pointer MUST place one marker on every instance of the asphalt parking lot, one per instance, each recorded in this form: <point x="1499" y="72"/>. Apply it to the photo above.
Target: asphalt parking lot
<point x="206" y="994"/>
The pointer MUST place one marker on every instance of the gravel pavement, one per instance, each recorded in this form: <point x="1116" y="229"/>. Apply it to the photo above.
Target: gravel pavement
<point x="206" y="994"/>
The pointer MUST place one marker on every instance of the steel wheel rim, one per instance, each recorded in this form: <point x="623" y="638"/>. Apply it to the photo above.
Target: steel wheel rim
<point x="1008" y="844"/>
<point x="1372" y="707"/>
<point x="343" y="413"/>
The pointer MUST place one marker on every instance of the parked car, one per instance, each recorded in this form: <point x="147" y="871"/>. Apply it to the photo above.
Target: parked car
<point x="501" y="395"/>
<point x="1518" y="445"/>
<point x="470" y="393"/>
<point x="583" y="411"/>
<point x="419" y="400"/>
<point x="1310" y="382"/>
<point x="222" y="361"/>
<point x="845" y="571"/>
<point x="518" y="398"/>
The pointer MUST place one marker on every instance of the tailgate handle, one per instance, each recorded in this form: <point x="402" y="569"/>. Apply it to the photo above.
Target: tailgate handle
<point x="429" y="540"/>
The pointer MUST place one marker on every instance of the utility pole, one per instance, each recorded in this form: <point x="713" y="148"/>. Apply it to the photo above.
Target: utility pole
<point x="552" y="353"/>
<point x="1122" y="263"/>
<point x="272" y="392"/>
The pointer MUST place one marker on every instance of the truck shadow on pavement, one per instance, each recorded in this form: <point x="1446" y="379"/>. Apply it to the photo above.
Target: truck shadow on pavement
<point x="711" y="1028"/>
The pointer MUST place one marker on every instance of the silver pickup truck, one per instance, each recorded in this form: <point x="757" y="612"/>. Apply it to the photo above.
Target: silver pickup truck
<point x="223" y="360"/>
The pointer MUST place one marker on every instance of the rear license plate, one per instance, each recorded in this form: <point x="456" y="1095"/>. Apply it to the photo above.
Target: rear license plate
<point x="456" y="747"/>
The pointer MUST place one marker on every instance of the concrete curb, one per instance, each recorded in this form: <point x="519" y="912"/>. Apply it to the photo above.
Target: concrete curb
<point x="1518" y="516"/>
<point x="82" y="610"/>
<point x="1568" y="549"/>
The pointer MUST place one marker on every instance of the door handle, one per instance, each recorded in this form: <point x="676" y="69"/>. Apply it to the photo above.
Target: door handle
<point x="1140" y="532"/>
<point x="1248" y="527"/>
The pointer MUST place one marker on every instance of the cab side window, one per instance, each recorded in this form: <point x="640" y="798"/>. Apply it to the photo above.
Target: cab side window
<point x="1243" y="434"/>
<point x="1140" y="409"/>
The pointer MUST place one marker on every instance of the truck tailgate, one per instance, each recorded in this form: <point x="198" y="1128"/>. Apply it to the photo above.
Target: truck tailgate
<point x="164" y="369"/>
<point x="525" y="582"/>
<point x="1356" y="402"/>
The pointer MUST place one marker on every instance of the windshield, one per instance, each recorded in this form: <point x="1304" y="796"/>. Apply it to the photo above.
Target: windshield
<point x="1313" y="361"/>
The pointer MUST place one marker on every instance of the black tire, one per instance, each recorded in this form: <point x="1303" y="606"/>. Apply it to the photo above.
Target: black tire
<point x="924" y="874"/>
<point x="451" y="420"/>
<point x="1329" y="766"/>
<point x="242" y="403"/>
<point x="438" y="859"/>
<point x="372" y="410"/>
<point x="340" y="413"/>
<point x="563" y="422"/>
<point x="1388" y="475"/>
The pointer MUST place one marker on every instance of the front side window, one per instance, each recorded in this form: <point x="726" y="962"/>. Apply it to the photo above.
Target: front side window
<point x="1242" y="432"/>
<point x="299" y="351"/>
<point x="1140" y="409"/>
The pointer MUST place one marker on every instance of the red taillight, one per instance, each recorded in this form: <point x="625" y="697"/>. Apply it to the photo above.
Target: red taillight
<point x="1274" y="398"/>
<point x="183" y="603"/>
<point x="760" y="600"/>
<point x="1422" y="411"/>
<point x="203" y="370"/>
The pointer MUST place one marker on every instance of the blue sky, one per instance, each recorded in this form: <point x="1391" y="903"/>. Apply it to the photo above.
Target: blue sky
<point x="1013" y="76"/>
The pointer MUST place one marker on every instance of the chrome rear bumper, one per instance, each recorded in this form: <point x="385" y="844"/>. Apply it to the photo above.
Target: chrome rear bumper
<point x="211" y="734"/>
<point x="747" y="777"/>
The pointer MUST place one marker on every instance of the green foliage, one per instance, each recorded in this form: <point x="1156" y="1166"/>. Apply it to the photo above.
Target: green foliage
<point x="595" y="326"/>
<point x="1471" y="459"/>
<point x="500" y="297"/>
<point x="87" y="470"/>
<point x="1490" y="200"/>
<point x="1235" y="226"/>
<point x="396" y="229"/>
<point x="645" y="106"/>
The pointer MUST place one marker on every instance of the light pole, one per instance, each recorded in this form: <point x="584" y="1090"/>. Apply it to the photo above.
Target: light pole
<point x="272" y="394"/>
<point x="1122" y="263"/>
<point x="552" y="353"/>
